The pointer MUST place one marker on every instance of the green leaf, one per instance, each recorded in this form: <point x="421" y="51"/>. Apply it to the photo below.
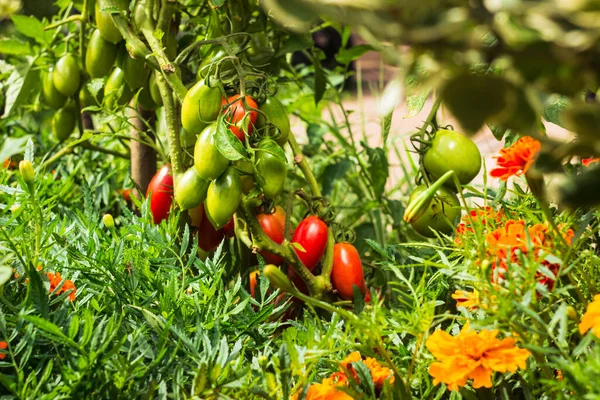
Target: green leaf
<point x="294" y="43"/>
<point x="270" y="146"/>
<point x="228" y="144"/>
<point x="12" y="146"/>
<point x="416" y="95"/>
<point x="31" y="27"/>
<point x="378" y="169"/>
<point x="498" y="131"/>
<point x="475" y="99"/>
<point x="334" y="173"/>
<point x="5" y="274"/>
<point x="554" y="107"/>
<point x="346" y="56"/>
<point x="14" y="47"/>
<point x="46" y="326"/>
<point x="320" y="83"/>
<point x="21" y="84"/>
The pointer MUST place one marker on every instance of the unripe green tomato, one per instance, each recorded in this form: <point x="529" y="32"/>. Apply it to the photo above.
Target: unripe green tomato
<point x="63" y="123"/>
<point x="274" y="112"/>
<point x="136" y="73"/>
<point x="272" y="169"/>
<point x="86" y="99"/>
<point x="213" y="57"/>
<point x="52" y="97"/>
<point x="100" y="56"/>
<point x="200" y="107"/>
<point x="141" y="17"/>
<point x="451" y="150"/>
<point x="116" y="90"/>
<point x="209" y="161"/>
<point x="154" y="91"/>
<point x="104" y="20"/>
<point x="442" y="215"/>
<point x="66" y="75"/>
<point x="223" y="198"/>
<point x="145" y="99"/>
<point x="190" y="190"/>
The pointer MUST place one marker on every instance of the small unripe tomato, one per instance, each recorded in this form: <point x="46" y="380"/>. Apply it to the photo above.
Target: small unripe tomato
<point x="52" y="97"/>
<point x="66" y="75"/>
<point x="190" y="191"/>
<point x="272" y="169"/>
<point x="442" y="214"/>
<point x="100" y="56"/>
<point x="223" y="198"/>
<point x="208" y="160"/>
<point x="200" y="107"/>
<point x="104" y="20"/>
<point x="64" y="122"/>
<point x="116" y="90"/>
<point x="135" y="71"/>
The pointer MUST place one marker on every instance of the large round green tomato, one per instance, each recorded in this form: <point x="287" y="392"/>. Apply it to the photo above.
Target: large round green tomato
<point x="451" y="151"/>
<point x="136" y="73"/>
<point x="100" y="56"/>
<point x="190" y="190"/>
<point x="63" y="123"/>
<point x="209" y="161"/>
<point x="274" y="113"/>
<point x="52" y="97"/>
<point x="272" y="169"/>
<point x="104" y="20"/>
<point x="200" y="107"/>
<point x="116" y="90"/>
<point x="223" y="198"/>
<point x="210" y="62"/>
<point x="441" y="216"/>
<point x="66" y="75"/>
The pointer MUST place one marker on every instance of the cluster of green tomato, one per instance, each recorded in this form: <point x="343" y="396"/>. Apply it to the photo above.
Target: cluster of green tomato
<point x="448" y="151"/>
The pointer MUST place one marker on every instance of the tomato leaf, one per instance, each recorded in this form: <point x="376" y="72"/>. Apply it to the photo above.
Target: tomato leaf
<point x="31" y="27"/>
<point x="271" y="147"/>
<point x="5" y="274"/>
<point x="12" y="146"/>
<point x="334" y="173"/>
<point x="378" y="168"/>
<point x="14" y="47"/>
<point x="346" y="56"/>
<point x="554" y="107"/>
<point x="228" y="144"/>
<point x="320" y="83"/>
<point x="21" y="84"/>
<point x="391" y="97"/>
<point x="294" y="43"/>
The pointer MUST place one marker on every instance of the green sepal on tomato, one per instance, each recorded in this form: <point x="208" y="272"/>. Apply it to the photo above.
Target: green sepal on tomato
<point x="239" y="116"/>
<point x="160" y="192"/>
<point x="64" y="122"/>
<point x="273" y="228"/>
<point x="223" y="198"/>
<point x="52" y="97"/>
<point x="104" y="20"/>
<point x="347" y="271"/>
<point x="190" y="190"/>
<point x="441" y="216"/>
<point x="100" y="56"/>
<point x="200" y="107"/>
<point x="275" y="120"/>
<point x="271" y="167"/>
<point x="116" y="90"/>
<point x="452" y="151"/>
<point x="66" y="75"/>
<point x="208" y="160"/>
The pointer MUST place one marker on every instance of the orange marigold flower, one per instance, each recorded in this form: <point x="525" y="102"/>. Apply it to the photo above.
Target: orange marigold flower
<point x="591" y="318"/>
<point x="468" y="300"/>
<point x="379" y="373"/>
<point x="587" y="161"/>
<point x="516" y="159"/>
<point x="328" y="389"/>
<point x="3" y="346"/>
<point x="472" y="356"/>
<point x="68" y="285"/>
<point x="483" y="215"/>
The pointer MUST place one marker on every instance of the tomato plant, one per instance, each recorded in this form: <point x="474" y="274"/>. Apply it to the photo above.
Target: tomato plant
<point x="63" y="123"/>
<point x="272" y="169"/>
<point x="160" y="192"/>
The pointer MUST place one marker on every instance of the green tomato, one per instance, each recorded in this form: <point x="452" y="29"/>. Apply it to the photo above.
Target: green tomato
<point x="52" y="97"/>
<point x="190" y="190"/>
<point x="246" y="175"/>
<point x="442" y="215"/>
<point x="209" y="161"/>
<point x="100" y="56"/>
<point x="145" y="99"/>
<point x="66" y="75"/>
<point x="223" y="198"/>
<point x="63" y="123"/>
<point x="154" y="91"/>
<point x="207" y="66"/>
<point x="116" y="90"/>
<point x="200" y="107"/>
<point x="450" y="150"/>
<point x="136" y="73"/>
<point x="272" y="170"/>
<point x="86" y="99"/>
<point x="104" y="20"/>
<point x="275" y="119"/>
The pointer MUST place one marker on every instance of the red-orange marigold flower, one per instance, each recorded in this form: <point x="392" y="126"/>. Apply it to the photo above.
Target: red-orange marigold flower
<point x="516" y="159"/>
<point x="3" y="346"/>
<point x="56" y="279"/>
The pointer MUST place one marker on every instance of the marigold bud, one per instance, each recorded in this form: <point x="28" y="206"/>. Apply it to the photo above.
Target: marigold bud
<point x="27" y="172"/>
<point x="108" y="220"/>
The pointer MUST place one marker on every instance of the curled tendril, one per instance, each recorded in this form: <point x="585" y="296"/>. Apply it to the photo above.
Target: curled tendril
<point x="319" y="206"/>
<point x="342" y="233"/>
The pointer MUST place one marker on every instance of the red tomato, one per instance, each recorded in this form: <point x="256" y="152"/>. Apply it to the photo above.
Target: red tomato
<point x="236" y="112"/>
<point x="229" y="229"/>
<point x="160" y="191"/>
<point x="274" y="230"/>
<point x="280" y="215"/>
<point x="347" y="271"/>
<point x="253" y="279"/>
<point x="311" y="234"/>
<point x="208" y="238"/>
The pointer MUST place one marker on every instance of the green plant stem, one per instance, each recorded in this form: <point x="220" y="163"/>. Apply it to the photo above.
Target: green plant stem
<point x="172" y="126"/>
<point x="72" y="18"/>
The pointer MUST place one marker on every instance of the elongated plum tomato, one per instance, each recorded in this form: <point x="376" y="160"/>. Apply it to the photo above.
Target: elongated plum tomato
<point x="63" y="123"/>
<point x="100" y="56"/>
<point x="66" y="75"/>
<point x="135" y="71"/>
<point x="441" y="216"/>
<point x="208" y="160"/>
<point x="235" y="115"/>
<point x="280" y="215"/>
<point x="347" y="271"/>
<point x="208" y="237"/>
<point x="275" y="120"/>
<point x="52" y="97"/>
<point x="452" y="151"/>
<point x="160" y="191"/>
<point x="272" y="168"/>
<point x="190" y="190"/>
<point x="223" y="198"/>
<point x="200" y="107"/>
<point x="104" y="20"/>
<point x="275" y="231"/>
<point x="116" y="90"/>
<point x="311" y="234"/>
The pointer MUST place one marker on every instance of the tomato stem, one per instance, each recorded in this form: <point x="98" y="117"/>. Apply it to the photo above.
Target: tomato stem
<point x="172" y="126"/>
